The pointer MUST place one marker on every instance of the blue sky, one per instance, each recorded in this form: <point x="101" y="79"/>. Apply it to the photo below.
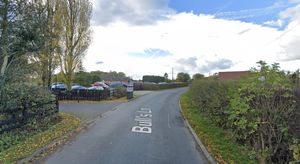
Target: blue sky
<point x="254" y="11"/>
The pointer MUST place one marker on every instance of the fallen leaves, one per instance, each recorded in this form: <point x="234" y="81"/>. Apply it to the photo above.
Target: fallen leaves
<point x="39" y="140"/>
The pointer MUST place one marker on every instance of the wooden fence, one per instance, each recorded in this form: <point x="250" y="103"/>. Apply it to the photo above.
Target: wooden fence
<point x="90" y="95"/>
<point x="18" y="117"/>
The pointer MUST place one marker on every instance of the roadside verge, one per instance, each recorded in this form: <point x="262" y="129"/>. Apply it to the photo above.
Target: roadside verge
<point x="30" y="145"/>
<point x="218" y="143"/>
<point x="198" y="141"/>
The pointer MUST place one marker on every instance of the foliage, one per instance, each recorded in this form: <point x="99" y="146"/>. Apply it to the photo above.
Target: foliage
<point x="26" y="143"/>
<point x="260" y="110"/>
<point x="295" y="148"/>
<point x="211" y="97"/>
<point x="120" y="92"/>
<point x="147" y="86"/>
<point x="25" y="104"/>
<point x="76" y="15"/>
<point x="183" y="77"/>
<point x="89" y="78"/>
<point x="166" y="76"/>
<point x="219" y="142"/>
<point x="17" y="40"/>
<point x="198" y="76"/>
<point x="295" y="77"/>
<point x="112" y="76"/>
<point x="46" y="15"/>
<point x="86" y="78"/>
<point x="153" y="79"/>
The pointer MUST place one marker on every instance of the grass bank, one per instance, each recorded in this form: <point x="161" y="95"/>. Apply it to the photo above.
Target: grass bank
<point x="217" y="141"/>
<point x="31" y="143"/>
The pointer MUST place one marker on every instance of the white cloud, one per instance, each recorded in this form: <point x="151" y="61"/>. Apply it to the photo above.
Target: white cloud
<point x="289" y="41"/>
<point x="198" y="43"/>
<point x="136" y="12"/>
<point x="220" y="64"/>
<point x="292" y="13"/>
<point x="272" y="23"/>
<point x="252" y="13"/>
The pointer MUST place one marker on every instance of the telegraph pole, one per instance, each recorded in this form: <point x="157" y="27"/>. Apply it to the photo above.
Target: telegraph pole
<point x="172" y="73"/>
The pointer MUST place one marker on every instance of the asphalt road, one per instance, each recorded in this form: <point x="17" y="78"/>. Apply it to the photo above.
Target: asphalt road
<point x="112" y="140"/>
<point x="89" y="111"/>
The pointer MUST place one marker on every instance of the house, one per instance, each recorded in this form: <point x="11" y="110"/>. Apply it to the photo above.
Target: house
<point x="234" y="75"/>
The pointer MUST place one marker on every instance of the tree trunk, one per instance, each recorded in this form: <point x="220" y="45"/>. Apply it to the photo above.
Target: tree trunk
<point x="4" y="64"/>
<point x="4" y="39"/>
<point x="49" y="72"/>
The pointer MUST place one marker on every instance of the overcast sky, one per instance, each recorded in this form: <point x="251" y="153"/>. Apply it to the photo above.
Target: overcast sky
<point x="150" y="37"/>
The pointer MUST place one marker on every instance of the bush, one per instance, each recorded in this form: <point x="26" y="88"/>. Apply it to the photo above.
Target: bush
<point x="260" y="110"/>
<point x="120" y="92"/>
<point x="210" y="95"/>
<point x="149" y="86"/>
<point x="24" y="104"/>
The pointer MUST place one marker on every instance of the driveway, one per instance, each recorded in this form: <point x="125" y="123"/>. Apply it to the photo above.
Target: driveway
<point x="87" y="111"/>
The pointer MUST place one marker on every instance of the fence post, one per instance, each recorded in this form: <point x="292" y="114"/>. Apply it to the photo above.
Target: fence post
<point x="57" y="104"/>
<point x="77" y="95"/>
<point x="111" y="93"/>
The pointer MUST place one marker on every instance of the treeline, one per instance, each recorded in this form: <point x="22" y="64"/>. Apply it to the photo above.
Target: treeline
<point x="147" y="86"/>
<point x="181" y="77"/>
<point x="262" y="111"/>
<point x="88" y="78"/>
<point x="154" y="79"/>
<point x="38" y="37"/>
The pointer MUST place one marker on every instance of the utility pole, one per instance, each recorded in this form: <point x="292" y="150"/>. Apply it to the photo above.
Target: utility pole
<point x="172" y="73"/>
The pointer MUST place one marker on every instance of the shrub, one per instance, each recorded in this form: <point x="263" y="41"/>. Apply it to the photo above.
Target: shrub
<point x="210" y="95"/>
<point x="120" y="92"/>
<point x="24" y="104"/>
<point x="260" y="110"/>
<point x="149" y="86"/>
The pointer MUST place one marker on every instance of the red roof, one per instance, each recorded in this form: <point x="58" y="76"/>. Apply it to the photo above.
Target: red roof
<point x="235" y="75"/>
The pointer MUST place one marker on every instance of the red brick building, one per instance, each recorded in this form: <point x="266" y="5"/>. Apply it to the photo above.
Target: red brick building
<point x="235" y="75"/>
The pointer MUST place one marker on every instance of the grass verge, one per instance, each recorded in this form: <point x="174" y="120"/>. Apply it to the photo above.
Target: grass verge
<point x="217" y="141"/>
<point x="40" y="140"/>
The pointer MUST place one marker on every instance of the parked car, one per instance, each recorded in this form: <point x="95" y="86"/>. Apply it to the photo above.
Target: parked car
<point x="117" y="84"/>
<point x="58" y="86"/>
<point x="163" y="83"/>
<point x="96" y="88"/>
<point x="78" y="87"/>
<point x="101" y="84"/>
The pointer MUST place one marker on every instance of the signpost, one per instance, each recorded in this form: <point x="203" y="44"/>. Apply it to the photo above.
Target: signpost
<point x="130" y="90"/>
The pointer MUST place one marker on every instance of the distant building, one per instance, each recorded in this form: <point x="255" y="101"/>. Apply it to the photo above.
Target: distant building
<point x="234" y="75"/>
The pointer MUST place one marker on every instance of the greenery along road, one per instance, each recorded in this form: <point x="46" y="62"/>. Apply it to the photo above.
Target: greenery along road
<point x="37" y="37"/>
<point x="24" y="144"/>
<point x="260" y="111"/>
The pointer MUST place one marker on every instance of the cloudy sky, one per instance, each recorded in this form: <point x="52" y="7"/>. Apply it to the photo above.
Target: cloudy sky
<point x="151" y="37"/>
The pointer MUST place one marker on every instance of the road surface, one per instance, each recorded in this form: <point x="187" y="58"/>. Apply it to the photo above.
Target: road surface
<point x="148" y="130"/>
<point x="89" y="111"/>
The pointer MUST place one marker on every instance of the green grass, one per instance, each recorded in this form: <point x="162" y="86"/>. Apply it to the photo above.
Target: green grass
<point x="34" y="142"/>
<point x="218" y="142"/>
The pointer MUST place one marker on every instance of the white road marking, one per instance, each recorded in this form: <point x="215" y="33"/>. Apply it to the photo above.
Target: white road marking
<point x="169" y="121"/>
<point x="144" y="121"/>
